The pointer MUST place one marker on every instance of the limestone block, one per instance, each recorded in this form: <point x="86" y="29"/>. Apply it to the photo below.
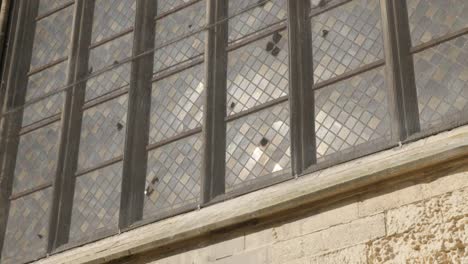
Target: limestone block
<point x="400" y="195"/>
<point x="226" y="248"/>
<point x="352" y="255"/>
<point x="357" y="232"/>
<point x="285" y="251"/>
<point x="260" y="239"/>
<point x="257" y="256"/>
<point x="338" y="214"/>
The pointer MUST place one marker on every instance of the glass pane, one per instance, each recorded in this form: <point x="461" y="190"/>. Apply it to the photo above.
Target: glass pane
<point x="26" y="232"/>
<point x="346" y="38"/>
<point x="351" y="115"/>
<point x="431" y="19"/>
<point x="52" y="37"/>
<point x="173" y="177"/>
<point x="258" y="147"/>
<point x="260" y="17"/>
<point x="112" y="17"/>
<point x="37" y="158"/>
<point x="96" y="202"/>
<point x="442" y="82"/>
<point x="108" y="82"/>
<point x="40" y="84"/>
<point x="177" y="104"/>
<point x="257" y="73"/>
<point x="103" y="132"/>
<point x="103" y="56"/>
<point x="173" y="27"/>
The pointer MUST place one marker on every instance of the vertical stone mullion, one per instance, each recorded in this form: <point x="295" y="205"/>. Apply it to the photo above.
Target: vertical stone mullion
<point x="64" y="184"/>
<point x="138" y="118"/>
<point x="214" y="126"/>
<point x="400" y="77"/>
<point x="15" y="95"/>
<point x="301" y="98"/>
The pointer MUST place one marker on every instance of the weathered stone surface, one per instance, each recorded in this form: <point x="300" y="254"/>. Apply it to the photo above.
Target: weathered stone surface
<point x="257" y="256"/>
<point x="352" y="255"/>
<point x="436" y="232"/>
<point x="346" y="235"/>
<point x="400" y="195"/>
<point x="285" y="251"/>
<point x="341" y="213"/>
<point x="226" y="248"/>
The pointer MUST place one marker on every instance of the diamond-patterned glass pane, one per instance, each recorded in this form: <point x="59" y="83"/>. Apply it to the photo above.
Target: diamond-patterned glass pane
<point x="39" y="84"/>
<point x="104" y="56"/>
<point x="258" y="18"/>
<point x="167" y="5"/>
<point x="49" y="5"/>
<point x="430" y="19"/>
<point x="52" y="37"/>
<point x="346" y="38"/>
<point x="173" y="177"/>
<point x="257" y="73"/>
<point x="108" y="82"/>
<point x="103" y="132"/>
<point x="26" y="233"/>
<point x="176" y="104"/>
<point x="350" y="114"/>
<point x="174" y="26"/>
<point x="111" y="52"/>
<point x="44" y="108"/>
<point x="258" y="146"/>
<point x="442" y="82"/>
<point x="112" y="17"/>
<point x="96" y="203"/>
<point x="37" y="158"/>
<point x="45" y="81"/>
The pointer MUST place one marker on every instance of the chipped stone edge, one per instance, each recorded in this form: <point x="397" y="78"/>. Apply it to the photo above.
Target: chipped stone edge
<point x="313" y="187"/>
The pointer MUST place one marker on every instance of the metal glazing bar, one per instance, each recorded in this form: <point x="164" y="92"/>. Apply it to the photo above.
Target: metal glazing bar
<point x="111" y="38"/>
<point x="259" y="34"/>
<point x="437" y="41"/>
<point x="176" y="9"/>
<point x="64" y="184"/>
<point x="138" y="118"/>
<point x="39" y="124"/>
<point x="55" y="10"/>
<point x="301" y="100"/>
<point x="403" y="102"/>
<point x="214" y="127"/>
<point x="46" y="66"/>
<point x="16" y="82"/>
<point x="326" y="6"/>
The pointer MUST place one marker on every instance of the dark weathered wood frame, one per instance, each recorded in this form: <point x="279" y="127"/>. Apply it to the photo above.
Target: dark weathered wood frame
<point x="400" y="81"/>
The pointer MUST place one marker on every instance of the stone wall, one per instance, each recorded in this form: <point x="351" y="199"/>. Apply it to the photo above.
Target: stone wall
<point x="419" y="221"/>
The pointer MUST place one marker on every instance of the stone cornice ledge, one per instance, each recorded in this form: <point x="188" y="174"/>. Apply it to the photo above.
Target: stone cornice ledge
<point x="310" y="188"/>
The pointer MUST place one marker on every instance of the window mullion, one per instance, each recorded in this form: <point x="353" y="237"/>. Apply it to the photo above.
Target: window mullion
<point x="214" y="125"/>
<point x="303" y="149"/>
<point x="64" y="184"/>
<point x="400" y="77"/>
<point x="138" y="118"/>
<point x="15" y="96"/>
